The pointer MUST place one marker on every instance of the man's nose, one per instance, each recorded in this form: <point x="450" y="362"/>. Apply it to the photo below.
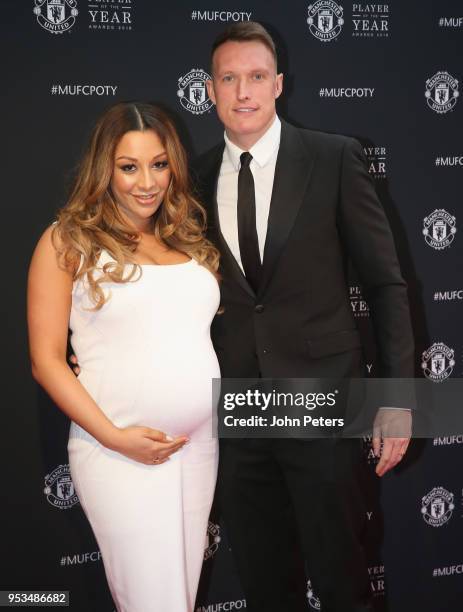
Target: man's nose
<point x="243" y="92"/>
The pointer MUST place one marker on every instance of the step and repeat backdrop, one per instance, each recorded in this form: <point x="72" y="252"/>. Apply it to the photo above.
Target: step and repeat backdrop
<point x="388" y="74"/>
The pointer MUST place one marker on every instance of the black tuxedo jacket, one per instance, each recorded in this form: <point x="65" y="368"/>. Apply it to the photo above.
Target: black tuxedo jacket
<point x="324" y="209"/>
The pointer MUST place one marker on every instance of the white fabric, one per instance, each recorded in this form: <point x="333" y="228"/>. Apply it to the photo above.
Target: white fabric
<point x="264" y="156"/>
<point x="147" y="359"/>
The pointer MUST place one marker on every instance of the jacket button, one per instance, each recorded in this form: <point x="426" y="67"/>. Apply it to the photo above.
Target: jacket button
<point x="259" y="308"/>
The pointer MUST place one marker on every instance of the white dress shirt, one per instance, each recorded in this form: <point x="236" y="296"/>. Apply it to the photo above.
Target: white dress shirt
<point x="264" y="156"/>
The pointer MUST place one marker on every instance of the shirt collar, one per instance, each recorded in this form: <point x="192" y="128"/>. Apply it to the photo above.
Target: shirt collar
<point x="261" y="151"/>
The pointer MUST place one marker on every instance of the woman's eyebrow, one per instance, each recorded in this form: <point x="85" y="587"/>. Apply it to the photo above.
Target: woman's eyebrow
<point x="135" y="159"/>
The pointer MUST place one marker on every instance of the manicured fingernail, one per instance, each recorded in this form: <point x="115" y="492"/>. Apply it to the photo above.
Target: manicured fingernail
<point x="169" y="439"/>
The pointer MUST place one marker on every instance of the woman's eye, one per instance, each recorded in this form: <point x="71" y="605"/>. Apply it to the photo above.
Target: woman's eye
<point x="127" y="167"/>
<point x="160" y="165"/>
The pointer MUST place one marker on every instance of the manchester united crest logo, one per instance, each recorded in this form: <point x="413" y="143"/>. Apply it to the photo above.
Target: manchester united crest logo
<point x="212" y="540"/>
<point x="439" y="229"/>
<point x="438" y="362"/>
<point x="325" y="20"/>
<point x="56" y="16"/>
<point x="441" y="92"/>
<point x="59" y="488"/>
<point x="437" y="507"/>
<point x="192" y="91"/>
<point x="313" y="600"/>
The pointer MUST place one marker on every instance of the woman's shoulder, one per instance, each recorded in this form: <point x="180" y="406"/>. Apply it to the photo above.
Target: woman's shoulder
<point x="52" y="244"/>
<point x="48" y="243"/>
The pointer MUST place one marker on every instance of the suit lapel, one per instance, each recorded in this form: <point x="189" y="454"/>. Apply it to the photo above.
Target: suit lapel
<point x="228" y="260"/>
<point x="292" y="174"/>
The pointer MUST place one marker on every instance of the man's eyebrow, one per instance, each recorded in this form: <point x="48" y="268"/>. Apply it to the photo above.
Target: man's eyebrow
<point x="252" y="70"/>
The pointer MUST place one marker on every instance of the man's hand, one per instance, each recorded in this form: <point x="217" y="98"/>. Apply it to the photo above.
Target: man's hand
<point x="74" y="364"/>
<point x="392" y="426"/>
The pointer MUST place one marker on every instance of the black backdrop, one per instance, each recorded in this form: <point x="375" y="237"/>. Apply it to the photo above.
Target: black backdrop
<point x="367" y="78"/>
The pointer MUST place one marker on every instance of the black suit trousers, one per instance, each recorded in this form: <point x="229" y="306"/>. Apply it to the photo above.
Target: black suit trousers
<point x="276" y="494"/>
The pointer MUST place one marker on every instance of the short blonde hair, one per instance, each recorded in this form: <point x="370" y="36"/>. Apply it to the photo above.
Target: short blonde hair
<point x="245" y="31"/>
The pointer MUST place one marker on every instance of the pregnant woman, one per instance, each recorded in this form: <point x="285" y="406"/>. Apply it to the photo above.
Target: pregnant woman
<point x="127" y="269"/>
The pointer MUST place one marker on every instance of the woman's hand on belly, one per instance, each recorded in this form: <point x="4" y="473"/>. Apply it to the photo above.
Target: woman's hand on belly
<point x="146" y="445"/>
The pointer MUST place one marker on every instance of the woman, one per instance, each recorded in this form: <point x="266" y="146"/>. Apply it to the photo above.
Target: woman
<point x="127" y="269"/>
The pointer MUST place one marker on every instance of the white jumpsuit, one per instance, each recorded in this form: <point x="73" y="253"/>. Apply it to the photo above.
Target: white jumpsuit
<point x="147" y="359"/>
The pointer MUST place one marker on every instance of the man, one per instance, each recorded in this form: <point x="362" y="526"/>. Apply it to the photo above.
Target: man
<point x="287" y="207"/>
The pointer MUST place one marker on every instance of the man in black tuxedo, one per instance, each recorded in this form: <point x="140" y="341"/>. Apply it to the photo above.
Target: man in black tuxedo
<point x="288" y="207"/>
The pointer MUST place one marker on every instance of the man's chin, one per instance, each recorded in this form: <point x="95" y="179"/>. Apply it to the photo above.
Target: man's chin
<point x="246" y="127"/>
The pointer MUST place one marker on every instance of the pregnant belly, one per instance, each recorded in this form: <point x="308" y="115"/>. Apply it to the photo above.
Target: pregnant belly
<point x="170" y="391"/>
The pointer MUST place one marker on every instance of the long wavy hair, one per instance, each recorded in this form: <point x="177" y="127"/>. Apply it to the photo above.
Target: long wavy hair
<point x="91" y="222"/>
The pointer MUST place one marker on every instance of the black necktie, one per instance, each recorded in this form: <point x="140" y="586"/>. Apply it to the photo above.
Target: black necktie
<point x="247" y="231"/>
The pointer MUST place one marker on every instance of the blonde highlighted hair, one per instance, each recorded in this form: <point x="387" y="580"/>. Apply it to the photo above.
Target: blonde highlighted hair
<point x="90" y="222"/>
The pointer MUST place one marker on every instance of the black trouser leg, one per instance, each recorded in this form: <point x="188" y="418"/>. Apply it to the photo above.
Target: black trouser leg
<point x="322" y="479"/>
<point x="260" y="524"/>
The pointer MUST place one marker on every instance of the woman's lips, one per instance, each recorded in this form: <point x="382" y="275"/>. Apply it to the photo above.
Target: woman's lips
<point x="145" y="199"/>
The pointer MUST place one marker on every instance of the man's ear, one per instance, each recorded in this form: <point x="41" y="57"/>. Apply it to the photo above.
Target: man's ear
<point x="210" y="90"/>
<point x="278" y="85"/>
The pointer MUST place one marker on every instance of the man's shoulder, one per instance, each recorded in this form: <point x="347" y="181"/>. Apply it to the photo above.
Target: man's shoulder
<point x="203" y="163"/>
<point x="316" y="139"/>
